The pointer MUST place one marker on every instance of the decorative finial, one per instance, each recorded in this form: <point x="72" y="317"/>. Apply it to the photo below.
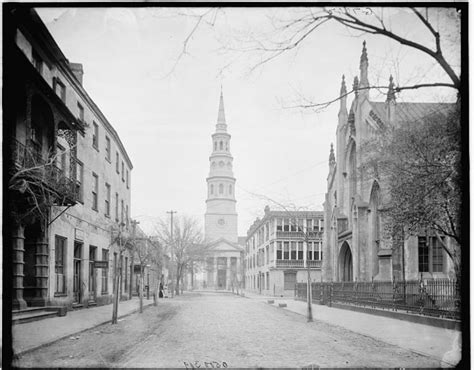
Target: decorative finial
<point x="355" y="85"/>
<point x="391" y="90"/>
<point x="343" y="86"/>
<point x="363" y="57"/>
<point x="332" y="158"/>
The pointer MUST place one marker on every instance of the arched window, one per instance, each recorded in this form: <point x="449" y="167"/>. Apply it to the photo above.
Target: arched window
<point x="215" y="145"/>
<point x="227" y="146"/>
<point x="374" y="224"/>
<point x="221" y="145"/>
<point x="230" y="189"/>
<point x="212" y="189"/>
<point x="221" y="189"/>
<point x="352" y="172"/>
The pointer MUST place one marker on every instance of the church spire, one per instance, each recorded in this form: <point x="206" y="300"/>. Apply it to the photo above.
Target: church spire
<point x="343" y="94"/>
<point x="332" y="158"/>
<point x="391" y="90"/>
<point x="364" y="66"/>
<point x="221" y="124"/>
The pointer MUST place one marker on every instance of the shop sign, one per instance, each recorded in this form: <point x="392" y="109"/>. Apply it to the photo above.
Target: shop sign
<point x="101" y="264"/>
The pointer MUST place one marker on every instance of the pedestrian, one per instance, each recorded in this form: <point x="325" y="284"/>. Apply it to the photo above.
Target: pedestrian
<point x="160" y="294"/>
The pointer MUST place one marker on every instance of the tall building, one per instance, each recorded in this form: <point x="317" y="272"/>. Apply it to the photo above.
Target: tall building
<point x="220" y="220"/>
<point x="69" y="177"/>
<point x="280" y="249"/>
<point x="358" y="243"/>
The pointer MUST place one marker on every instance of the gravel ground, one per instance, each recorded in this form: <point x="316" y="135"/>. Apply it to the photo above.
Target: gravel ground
<point x="220" y="330"/>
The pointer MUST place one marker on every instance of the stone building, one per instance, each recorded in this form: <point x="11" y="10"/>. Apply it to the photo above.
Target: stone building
<point x="279" y="249"/>
<point x="84" y="171"/>
<point x="358" y="244"/>
<point x="222" y="269"/>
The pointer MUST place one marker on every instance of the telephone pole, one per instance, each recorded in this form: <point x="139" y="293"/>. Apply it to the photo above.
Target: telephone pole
<point x="172" y="252"/>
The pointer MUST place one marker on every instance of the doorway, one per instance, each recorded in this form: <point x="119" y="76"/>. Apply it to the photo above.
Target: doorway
<point x="345" y="263"/>
<point x="221" y="278"/>
<point x="76" y="289"/>
<point x="92" y="278"/>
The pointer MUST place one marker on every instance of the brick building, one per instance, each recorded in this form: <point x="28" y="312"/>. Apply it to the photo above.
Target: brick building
<point x="84" y="171"/>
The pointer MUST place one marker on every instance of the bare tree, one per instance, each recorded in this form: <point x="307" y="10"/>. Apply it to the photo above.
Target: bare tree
<point x="187" y="245"/>
<point x="420" y="163"/>
<point x="294" y="30"/>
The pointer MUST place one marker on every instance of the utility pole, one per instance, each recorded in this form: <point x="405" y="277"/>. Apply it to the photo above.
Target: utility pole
<point x="172" y="252"/>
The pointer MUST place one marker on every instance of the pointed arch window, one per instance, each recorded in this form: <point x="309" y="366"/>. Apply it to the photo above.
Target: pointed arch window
<point x="221" y="189"/>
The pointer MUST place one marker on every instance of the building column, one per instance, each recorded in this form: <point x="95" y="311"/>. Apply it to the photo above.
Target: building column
<point x="228" y="274"/>
<point x="41" y="270"/>
<point x="18" y="241"/>
<point x="215" y="273"/>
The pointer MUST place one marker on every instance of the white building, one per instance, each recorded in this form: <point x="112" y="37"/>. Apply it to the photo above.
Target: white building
<point x="222" y="267"/>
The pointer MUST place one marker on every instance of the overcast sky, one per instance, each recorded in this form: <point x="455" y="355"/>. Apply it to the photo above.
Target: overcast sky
<point x="165" y="111"/>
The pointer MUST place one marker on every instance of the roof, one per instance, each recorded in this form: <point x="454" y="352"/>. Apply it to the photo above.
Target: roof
<point x="411" y="112"/>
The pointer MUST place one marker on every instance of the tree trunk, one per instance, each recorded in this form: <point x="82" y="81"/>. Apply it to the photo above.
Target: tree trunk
<point x="177" y="279"/>
<point x="140" y="288"/>
<point x="115" y="296"/>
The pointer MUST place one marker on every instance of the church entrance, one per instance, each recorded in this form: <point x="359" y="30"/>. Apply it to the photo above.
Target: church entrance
<point x="221" y="279"/>
<point x="345" y="263"/>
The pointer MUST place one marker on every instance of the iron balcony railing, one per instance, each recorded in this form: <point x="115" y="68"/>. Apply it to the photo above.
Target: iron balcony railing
<point x="297" y="264"/>
<point x="29" y="157"/>
<point x="434" y="297"/>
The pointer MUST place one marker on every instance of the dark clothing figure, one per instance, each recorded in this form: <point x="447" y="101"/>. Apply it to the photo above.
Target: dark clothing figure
<point x="160" y="294"/>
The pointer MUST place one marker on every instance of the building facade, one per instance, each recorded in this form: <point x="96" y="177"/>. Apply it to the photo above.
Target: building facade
<point x="359" y="244"/>
<point x="84" y="200"/>
<point x="222" y="269"/>
<point x="280" y="248"/>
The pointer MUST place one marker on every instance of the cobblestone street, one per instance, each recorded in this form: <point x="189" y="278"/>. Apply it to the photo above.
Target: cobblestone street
<point x="199" y="328"/>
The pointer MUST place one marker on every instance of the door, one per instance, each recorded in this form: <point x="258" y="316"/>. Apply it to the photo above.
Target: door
<point x="221" y="278"/>
<point x="289" y="279"/>
<point x="77" y="273"/>
<point x="92" y="278"/>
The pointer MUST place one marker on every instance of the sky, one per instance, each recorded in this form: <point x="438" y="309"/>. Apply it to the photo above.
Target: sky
<point x="163" y="103"/>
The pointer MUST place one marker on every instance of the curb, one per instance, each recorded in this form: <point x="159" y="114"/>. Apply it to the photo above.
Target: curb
<point x="26" y="351"/>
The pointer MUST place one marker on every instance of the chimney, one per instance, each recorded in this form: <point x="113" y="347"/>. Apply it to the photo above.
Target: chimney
<point x="78" y="71"/>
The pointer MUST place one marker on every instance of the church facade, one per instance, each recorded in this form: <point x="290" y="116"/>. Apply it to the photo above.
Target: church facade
<point x="358" y="244"/>
<point x="223" y="265"/>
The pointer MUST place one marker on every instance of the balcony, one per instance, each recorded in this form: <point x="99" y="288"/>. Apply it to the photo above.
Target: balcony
<point x="298" y="234"/>
<point x="30" y="165"/>
<point x="297" y="264"/>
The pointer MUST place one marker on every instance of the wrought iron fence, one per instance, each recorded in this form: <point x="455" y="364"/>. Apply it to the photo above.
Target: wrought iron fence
<point x="434" y="297"/>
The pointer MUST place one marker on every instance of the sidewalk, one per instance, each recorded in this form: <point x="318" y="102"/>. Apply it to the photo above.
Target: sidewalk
<point x="442" y="344"/>
<point x="32" y="335"/>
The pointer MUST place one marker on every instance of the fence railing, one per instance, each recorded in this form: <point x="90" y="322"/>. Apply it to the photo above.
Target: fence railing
<point x="435" y="297"/>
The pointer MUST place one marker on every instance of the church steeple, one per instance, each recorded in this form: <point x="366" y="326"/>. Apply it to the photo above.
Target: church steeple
<point x="221" y="124"/>
<point x="364" y="67"/>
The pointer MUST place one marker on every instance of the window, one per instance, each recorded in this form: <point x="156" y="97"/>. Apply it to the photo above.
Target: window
<point x="317" y="251"/>
<point x="126" y="177"/>
<point x="107" y="200"/>
<point x="293" y="250"/>
<point x="95" y="136"/>
<point x="121" y="212"/>
<point x="105" y="272"/>
<point x="230" y="189"/>
<point x="293" y="224"/>
<point x="286" y="250"/>
<point x="279" y="224"/>
<point x="268" y="280"/>
<point x="107" y="148"/>
<point x="80" y="109"/>
<point x="279" y="251"/>
<point x="215" y="145"/>
<point x="116" y="207"/>
<point x="423" y="255"/>
<point x="309" y="255"/>
<point x="123" y="171"/>
<point x="79" y="181"/>
<point x="59" y="89"/>
<point x="309" y="224"/>
<point x="221" y="189"/>
<point x="37" y="62"/>
<point x="227" y="146"/>
<point x="212" y="189"/>
<point x="300" y="250"/>
<point x="126" y="216"/>
<point x="60" y="264"/>
<point x="430" y="254"/>
<point x="61" y="159"/>
<point x="286" y="224"/>
<point x="220" y="145"/>
<point x="95" y="191"/>
<point x="117" y="161"/>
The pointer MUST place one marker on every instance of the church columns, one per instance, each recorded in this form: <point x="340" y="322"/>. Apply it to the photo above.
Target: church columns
<point x="18" y="241"/>
<point x="228" y="274"/>
<point x="215" y="273"/>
